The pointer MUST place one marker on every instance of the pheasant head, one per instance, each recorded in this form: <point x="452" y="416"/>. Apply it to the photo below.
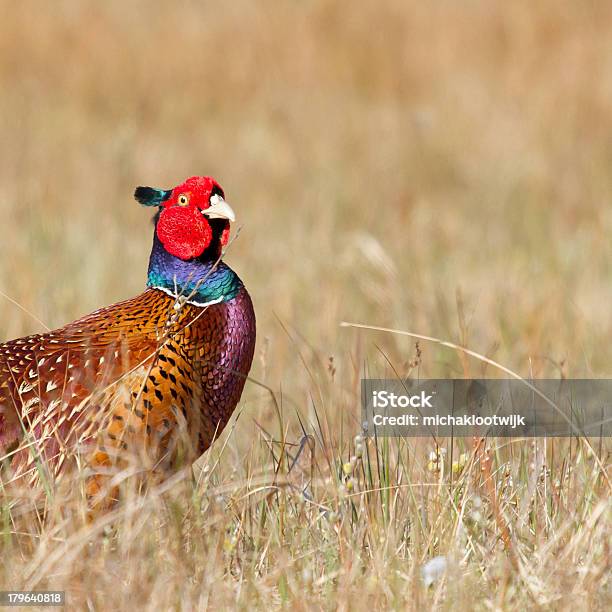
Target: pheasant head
<point x="193" y="217"/>
<point x="192" y="226"/>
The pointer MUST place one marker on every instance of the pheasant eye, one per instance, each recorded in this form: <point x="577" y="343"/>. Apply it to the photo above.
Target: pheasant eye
<point x="183" y="200"/>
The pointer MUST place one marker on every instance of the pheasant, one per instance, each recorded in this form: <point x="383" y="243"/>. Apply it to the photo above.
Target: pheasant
<point x="133" y="378"/>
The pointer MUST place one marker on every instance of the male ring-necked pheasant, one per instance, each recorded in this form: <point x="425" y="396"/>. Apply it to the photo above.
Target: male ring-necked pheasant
<point x="127" y="379"/>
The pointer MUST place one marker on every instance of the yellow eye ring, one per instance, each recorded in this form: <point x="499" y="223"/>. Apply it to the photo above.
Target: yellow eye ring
<point x="183" y="200"/>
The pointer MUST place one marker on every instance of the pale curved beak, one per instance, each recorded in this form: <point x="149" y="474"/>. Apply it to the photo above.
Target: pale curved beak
<point x="219" y="209"/>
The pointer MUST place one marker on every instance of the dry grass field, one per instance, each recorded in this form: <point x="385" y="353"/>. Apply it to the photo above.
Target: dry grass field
<point x="441" y="168"/>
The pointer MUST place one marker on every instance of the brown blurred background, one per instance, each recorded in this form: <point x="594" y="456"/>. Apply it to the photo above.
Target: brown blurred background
<point x="444" y="169"/>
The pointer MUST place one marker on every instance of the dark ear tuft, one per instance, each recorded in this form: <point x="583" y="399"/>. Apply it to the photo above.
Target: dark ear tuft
<point x="148" y="196"/>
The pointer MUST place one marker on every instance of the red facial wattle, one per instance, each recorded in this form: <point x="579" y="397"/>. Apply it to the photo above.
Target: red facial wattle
<point x="225" y="234"/>
<point x="184" y="231"/>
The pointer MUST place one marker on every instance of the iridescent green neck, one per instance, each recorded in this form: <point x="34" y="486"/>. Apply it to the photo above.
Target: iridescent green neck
<point x="201" y="281"/>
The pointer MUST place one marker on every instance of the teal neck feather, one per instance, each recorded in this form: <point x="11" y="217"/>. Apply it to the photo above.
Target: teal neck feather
<point x="201" y="281"/>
